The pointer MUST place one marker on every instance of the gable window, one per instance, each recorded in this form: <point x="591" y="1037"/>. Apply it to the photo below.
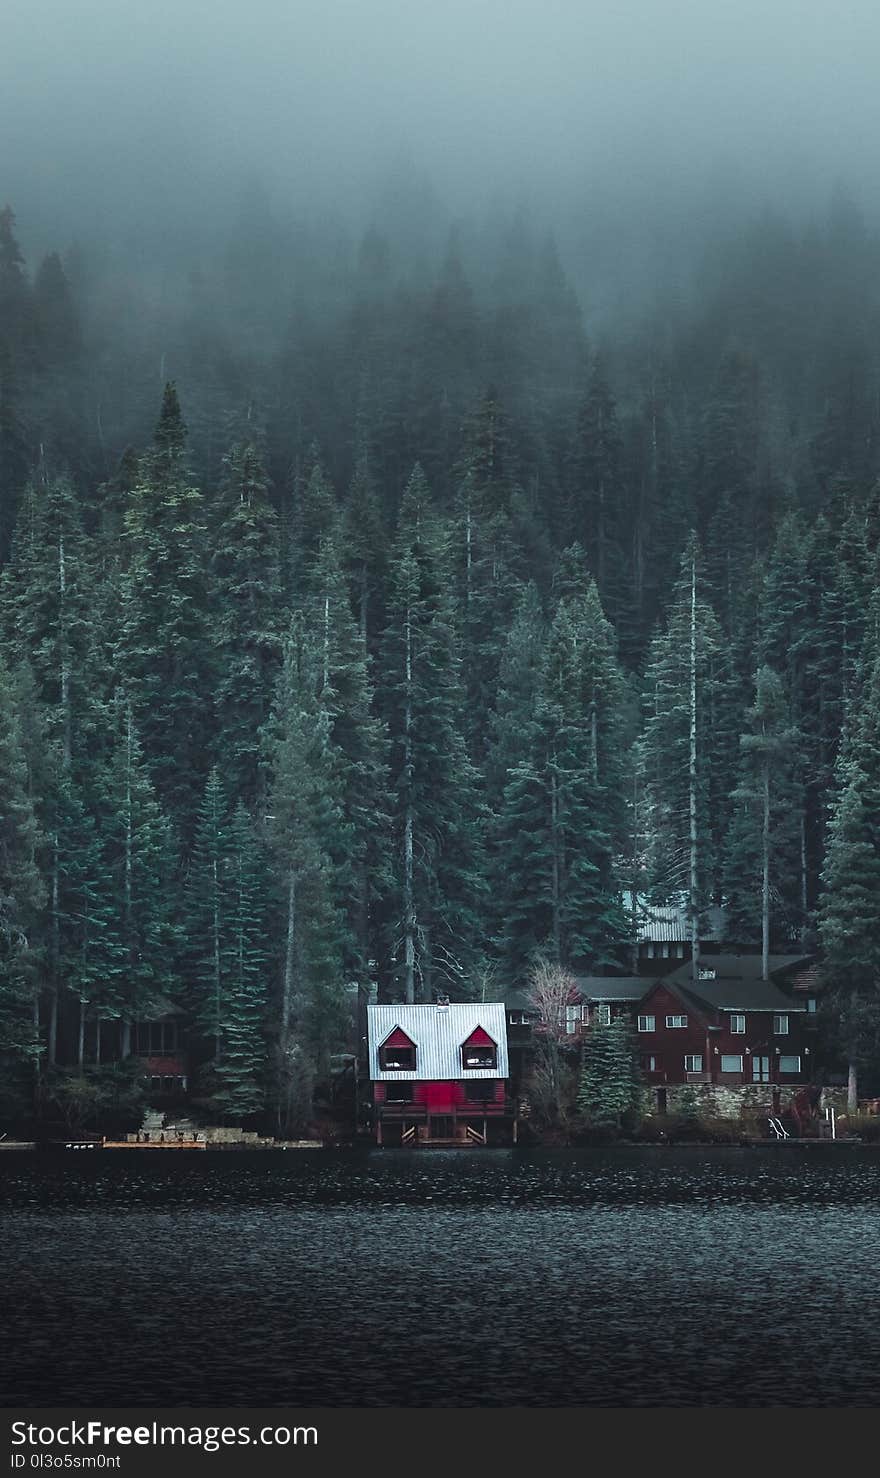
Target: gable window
<point x="780" y="1024"/>
<point x="676" y="1021"/>
<point x="738" y="1024"/>
<point x="731" y="1063"/>
<point x="479" y="1057"/>
<point x="647" y="1023"/>
<point x="397" y="1059"/>
<point x="789" y="1064"/>
<point x="479" y="1052"/>
<point x="693" y="1062"/>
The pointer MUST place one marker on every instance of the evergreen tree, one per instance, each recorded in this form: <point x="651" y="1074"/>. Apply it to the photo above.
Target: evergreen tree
<point x="22" y="897"/>
<point x="684" y="769"/>
<point x="306" y="828"/>
<point x="598" y="498"/>
<point x="246" y="590"/>
<point x="141" y="941"/>
<point x="609" y="1085"/>
<point x="561" y="821"/>
<point x="227" y="930"/>
<point x="437" y="817"/>
<point x="763" y="852"/>
<point x="165" y="658"/>
<point x="849" y="915"/>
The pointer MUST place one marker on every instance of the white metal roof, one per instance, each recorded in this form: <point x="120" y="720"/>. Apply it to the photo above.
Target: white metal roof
<point x="670" y="922"/>
<point x="439" y="1032"/>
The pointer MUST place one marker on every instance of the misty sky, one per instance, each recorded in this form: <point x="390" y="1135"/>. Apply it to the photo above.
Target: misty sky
<point x="111" y="110"/>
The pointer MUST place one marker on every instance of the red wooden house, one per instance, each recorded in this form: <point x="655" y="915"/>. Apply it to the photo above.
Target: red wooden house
<point x="439" y="1073"/>
<point x="727" y="1027"/>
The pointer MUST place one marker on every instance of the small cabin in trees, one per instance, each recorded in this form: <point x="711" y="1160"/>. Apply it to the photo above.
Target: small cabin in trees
<point x="439" y="1073"/>
<point x="159" y="1040"/>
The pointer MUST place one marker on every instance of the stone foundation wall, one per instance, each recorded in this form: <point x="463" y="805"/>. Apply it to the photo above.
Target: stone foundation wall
<point x="721" y="1100"/>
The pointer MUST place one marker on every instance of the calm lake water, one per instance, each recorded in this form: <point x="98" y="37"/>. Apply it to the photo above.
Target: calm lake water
<point x="655" y="1277"/>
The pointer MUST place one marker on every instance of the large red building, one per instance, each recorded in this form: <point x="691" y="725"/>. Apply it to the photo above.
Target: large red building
<point x="721" y="1027"/>
<point x="439" y="1074"/>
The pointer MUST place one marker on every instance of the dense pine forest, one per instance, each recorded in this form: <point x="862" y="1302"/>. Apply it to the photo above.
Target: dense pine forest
<point x="369" y="613"/>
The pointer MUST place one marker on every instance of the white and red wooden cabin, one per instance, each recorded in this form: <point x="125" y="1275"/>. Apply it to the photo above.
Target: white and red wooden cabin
<point x="440" y="1073"/>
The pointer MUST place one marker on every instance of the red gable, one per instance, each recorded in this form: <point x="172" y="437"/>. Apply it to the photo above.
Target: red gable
<point x="479" y="1038"/>
<point x="398" y="1038"/>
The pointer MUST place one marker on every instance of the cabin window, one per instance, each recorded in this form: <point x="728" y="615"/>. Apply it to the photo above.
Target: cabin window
<point x="647" y="1023"/>
<point x="479" y="1057"/>
<point x="603" y="1014"/>
<point x="789" y="1064"/>
<point x="398" y="1092"/>
<point x="738" y="1025"/>
<point x="693" y="1062"/>
<point x="156" y="1038"/>
<point x="164" y="1086"/>
<point x="731" y="1063"/>
<point x="648" y="1063"/>
<point x="482" y="1091"/>
<point x="573" y="1014"/>
<point x="780" y="1025"/>
<point x="397" y="1059"/>
<point x="676" y="1022"/>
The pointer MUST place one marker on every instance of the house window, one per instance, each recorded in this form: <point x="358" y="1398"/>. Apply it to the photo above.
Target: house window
<point x="738" y="1025"/>
<point x="693" y="1062"/>
<point x="157" y="1038"/>
<point x="573" y="1014"/>
<point x="676" y="1021"/>
<point x="789" y="1064"/>
<point x="603" y="1014"/>
<point x="731" y="1063"/>
<point x="479" y="1057"/>
<point x="664" y="951"/>
<point x="780" y="1025"/>
<point x="647" y="1023"/>
<point x="518" y="1018"/>
<point x="811" y="1003"/>
<point x="706" y="973"/>
<point x="648" y="1063"/>
<point x="397" y="1059"/>
<point x="480" y="1091"/>
<point x="398" y="1092"/>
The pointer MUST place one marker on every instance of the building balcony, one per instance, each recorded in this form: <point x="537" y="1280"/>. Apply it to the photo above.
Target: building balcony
<point x="418" y="1113"/>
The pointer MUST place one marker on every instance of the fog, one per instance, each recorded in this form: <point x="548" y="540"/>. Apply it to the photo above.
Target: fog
<point x="656" y="121"/>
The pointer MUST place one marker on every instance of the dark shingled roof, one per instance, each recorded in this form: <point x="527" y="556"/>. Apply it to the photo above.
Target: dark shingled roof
<point x="520" y="1000"/>
<point x="612" y="987"/>
<point x="738" y="985"/>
